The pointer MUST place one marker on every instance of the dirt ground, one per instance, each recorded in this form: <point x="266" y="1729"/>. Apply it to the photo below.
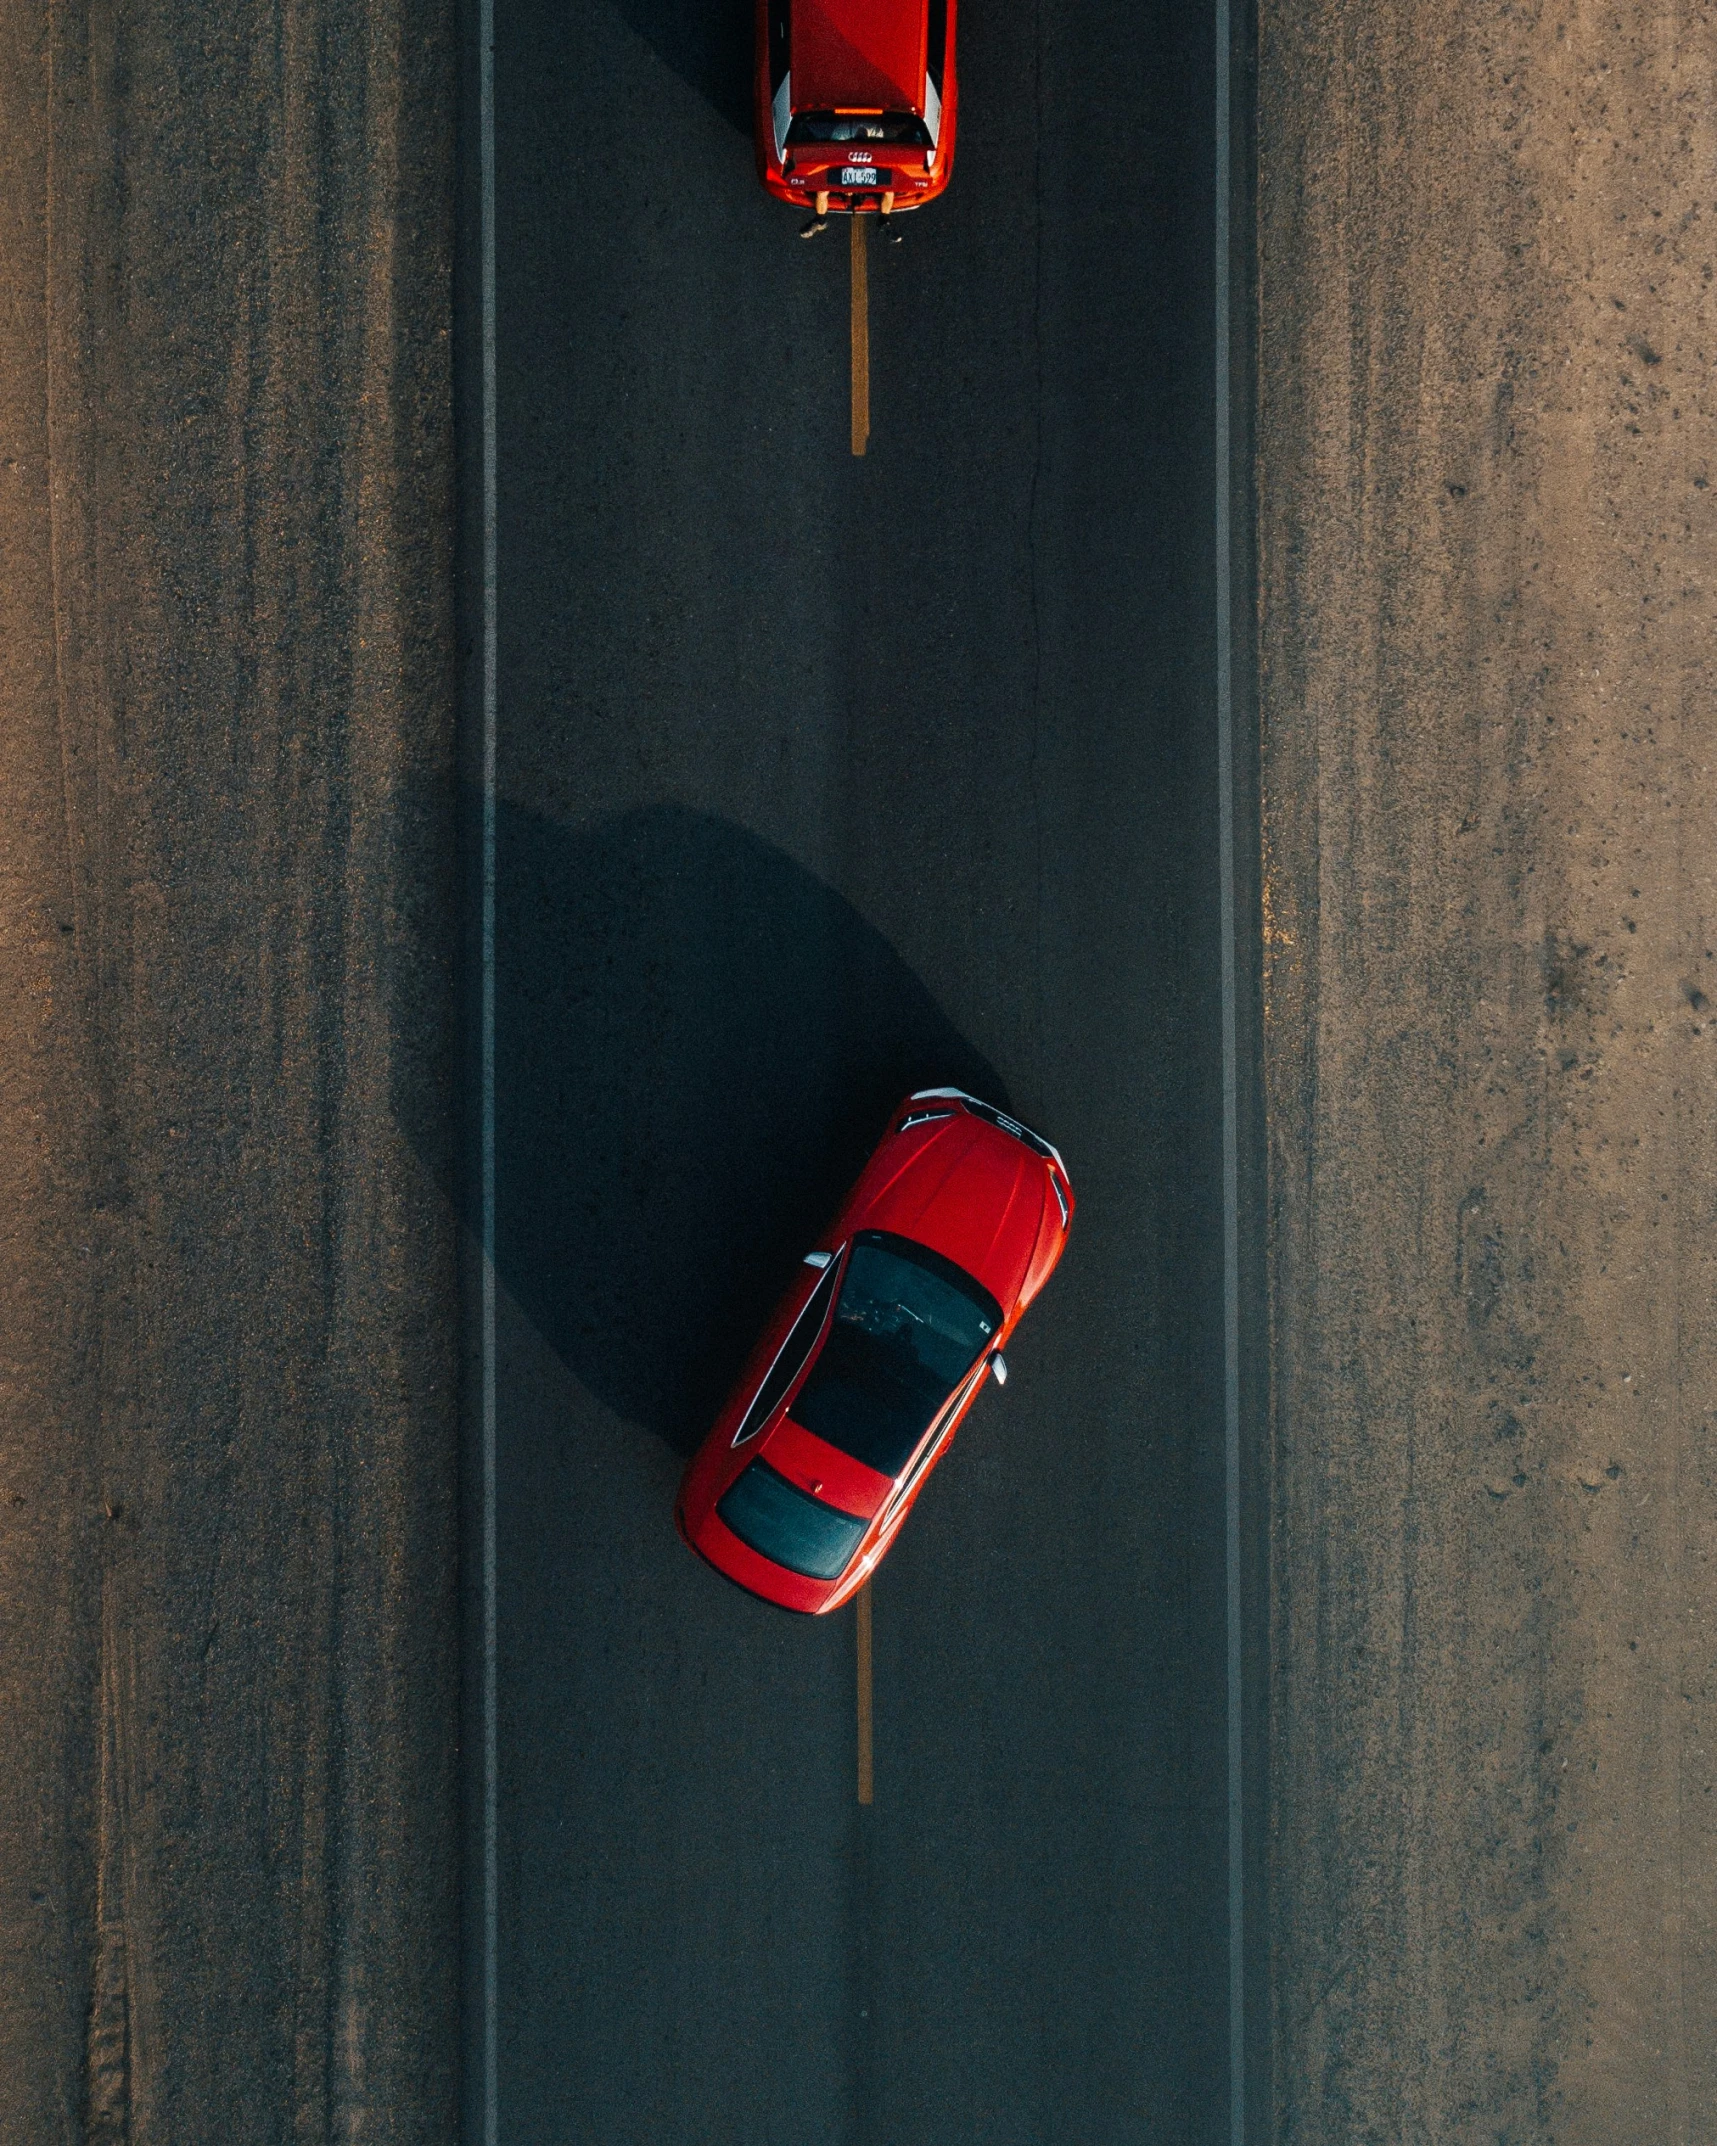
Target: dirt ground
<point x="227" y="1429"/>
<point x="1487" y="256"/>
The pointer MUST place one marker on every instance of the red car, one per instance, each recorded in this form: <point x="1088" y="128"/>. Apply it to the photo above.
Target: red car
<point x="877" y="1351"/>
<point x="855" y="102"/>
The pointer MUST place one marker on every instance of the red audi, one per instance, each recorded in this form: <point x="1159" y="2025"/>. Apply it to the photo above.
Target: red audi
<point x="876" y="1353"/>
<point x="855" y="102"/>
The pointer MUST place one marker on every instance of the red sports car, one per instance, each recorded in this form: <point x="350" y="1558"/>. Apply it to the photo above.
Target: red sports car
<point x="877" y="1351"/>
<point x="855" y="102"/>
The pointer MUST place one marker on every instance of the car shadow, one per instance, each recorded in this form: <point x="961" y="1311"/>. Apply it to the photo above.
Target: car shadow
<point x="707" y="43"/>
<point x="697" y="1044"/>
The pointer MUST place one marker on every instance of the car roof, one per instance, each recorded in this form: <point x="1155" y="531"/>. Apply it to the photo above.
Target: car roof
<point x="865" y="55"/>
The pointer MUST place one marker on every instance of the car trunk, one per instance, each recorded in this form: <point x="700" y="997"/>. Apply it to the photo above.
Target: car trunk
<point x="858" y="55"/>
<point x="824" y="1470"/>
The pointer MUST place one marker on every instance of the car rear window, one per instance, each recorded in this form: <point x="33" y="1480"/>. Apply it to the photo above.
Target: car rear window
<point x="908" y="1326"/>
<point x="785" y="1525"/>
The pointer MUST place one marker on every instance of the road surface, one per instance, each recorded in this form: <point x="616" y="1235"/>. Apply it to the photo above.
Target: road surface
<point x="821" y="777"/>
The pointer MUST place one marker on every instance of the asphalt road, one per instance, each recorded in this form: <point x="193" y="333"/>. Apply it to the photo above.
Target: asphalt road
<point x="821" y="777"/>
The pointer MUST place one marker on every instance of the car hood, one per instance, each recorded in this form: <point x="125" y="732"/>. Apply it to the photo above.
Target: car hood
<point x="974" y="1194"/>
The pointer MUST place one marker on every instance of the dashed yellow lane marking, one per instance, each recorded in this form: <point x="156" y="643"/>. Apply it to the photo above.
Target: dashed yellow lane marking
<point x="861" y="341"/>
<point x="866" y="1777"/>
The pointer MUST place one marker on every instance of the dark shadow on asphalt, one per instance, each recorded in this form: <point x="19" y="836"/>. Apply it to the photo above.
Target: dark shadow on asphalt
<point x="697" y="1043"/>
<point x="707" y="43"/>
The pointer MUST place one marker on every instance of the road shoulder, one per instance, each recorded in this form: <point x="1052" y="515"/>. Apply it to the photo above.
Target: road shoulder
<point x="1486" y="531"/>
<point x="227" y="1451"/>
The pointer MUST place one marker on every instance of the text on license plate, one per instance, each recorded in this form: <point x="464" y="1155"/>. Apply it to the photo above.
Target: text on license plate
<point x="858" y="175"/>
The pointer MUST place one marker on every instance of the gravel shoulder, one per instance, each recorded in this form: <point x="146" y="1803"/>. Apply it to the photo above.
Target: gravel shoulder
<point x="1490" y="840"/>
<point x="228" y="1881"/>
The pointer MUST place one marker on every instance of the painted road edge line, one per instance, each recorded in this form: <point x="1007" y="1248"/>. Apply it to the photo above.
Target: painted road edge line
<point x="486" y="1079"/>
<point x="1224" y="562"/>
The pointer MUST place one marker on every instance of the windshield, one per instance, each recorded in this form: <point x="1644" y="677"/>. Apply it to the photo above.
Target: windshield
<point x="908" y="1327"/>
<point x="780" y="1522"/>
<point x="903" y="129"/>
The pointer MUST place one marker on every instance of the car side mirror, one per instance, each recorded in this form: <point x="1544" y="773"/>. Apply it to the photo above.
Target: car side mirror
<point x="999" y="1367"/>
<point x="818" y="1259"/>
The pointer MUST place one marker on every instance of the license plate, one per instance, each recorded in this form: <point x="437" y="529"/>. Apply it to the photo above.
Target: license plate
<point x="859" y="175"/>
